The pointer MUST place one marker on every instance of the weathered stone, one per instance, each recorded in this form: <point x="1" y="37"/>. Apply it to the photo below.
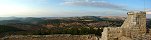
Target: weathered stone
<point x="134" y="25"/>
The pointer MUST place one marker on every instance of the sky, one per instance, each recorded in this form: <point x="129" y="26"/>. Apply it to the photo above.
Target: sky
<point x="68" y="8"/>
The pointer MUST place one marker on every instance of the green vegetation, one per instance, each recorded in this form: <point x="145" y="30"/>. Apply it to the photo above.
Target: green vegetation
<point x="73" y="31"/>
<point x="74" y="26"/>
<point x="8" y="29"/>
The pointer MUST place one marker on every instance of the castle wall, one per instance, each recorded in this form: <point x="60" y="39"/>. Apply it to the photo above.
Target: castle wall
<point x="124" y="38"/>
<point x="149" y="32"/>
<point x="111" y="33"/>
<point x="126" y="32"/>
<point x="134" y="25"/>
<point x="128" y="22"/>
<point x="105" y="34"/>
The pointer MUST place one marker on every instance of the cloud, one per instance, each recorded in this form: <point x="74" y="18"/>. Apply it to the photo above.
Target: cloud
<point x="148" y="12"/>
<point x="88" y="13"/>
<point x="90" y="3"/>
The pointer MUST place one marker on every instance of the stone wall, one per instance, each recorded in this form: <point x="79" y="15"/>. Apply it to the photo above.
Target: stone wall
<point x="143" y="37"/>
<point x="134" y="25"/>
<point x="51" y="37"/>
<point x="124" y="38"/>
<point x="111" y="33"/>
<point x="149" y="32"/>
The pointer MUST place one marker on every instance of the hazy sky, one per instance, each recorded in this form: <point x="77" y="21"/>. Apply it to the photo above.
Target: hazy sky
<point x="65" y="8"/>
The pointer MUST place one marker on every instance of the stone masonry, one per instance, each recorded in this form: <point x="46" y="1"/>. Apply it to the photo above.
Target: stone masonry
<point x="133" y="28"/>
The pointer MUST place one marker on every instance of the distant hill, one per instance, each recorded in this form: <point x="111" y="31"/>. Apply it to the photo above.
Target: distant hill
<point x="94" y="18"/>
<point x="27" y="25"/>
<point x="8" y="18"/>
<point x="113" y="17"/>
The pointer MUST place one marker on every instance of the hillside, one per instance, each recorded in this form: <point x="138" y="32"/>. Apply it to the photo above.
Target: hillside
<point x="4" y="28"/>
<point x="63" y="25"/>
